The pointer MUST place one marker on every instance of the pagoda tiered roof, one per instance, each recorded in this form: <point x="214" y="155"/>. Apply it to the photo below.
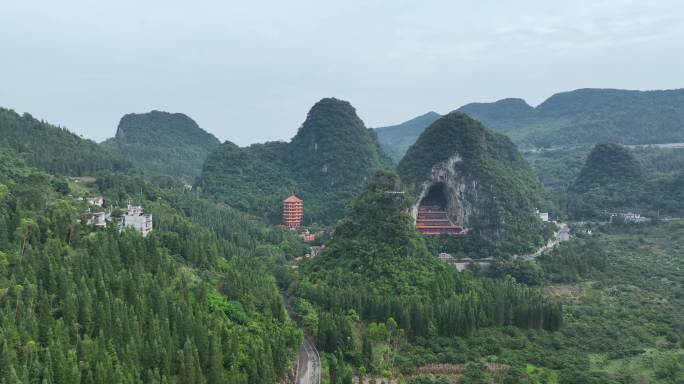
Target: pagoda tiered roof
<point x="433" y="220"/>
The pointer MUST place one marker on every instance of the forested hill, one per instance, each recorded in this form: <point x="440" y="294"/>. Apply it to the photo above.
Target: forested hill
<point x="609" y="163"/>
<point x="614" y="180"/>
<point x="377" y="274"/>
<point x="583" y="116"/>
<point x="327" y="162"/>
<point x="193" y="302"/>
<point x="162" y="143"/>
<point x="396" y="139"/>
<point x="490" y="188"/>
<point x="54" y="149"/>
<point x="588" y="116"/>
<point x="378" y="238"/>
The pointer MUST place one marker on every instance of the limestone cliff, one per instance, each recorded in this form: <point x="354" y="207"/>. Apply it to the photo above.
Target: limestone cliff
<point x="480" y="178"/>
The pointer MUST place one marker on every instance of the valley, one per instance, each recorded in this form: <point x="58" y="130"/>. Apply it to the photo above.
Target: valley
<point x="345" y="192"/>
<point x="447" y="267"/>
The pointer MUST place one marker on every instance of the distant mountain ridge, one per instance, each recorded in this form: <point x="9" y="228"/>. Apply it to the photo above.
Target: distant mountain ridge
<point x="326" y="163"/>
<point x="583" y="116"/>
<point x="162" y="143"/>
<point x="395" y="139"/>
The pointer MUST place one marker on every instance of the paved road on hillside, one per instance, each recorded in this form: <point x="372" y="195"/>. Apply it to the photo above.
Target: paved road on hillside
<point x="563" y="234"/>
<point x="631" y="146"/>
<point x="309" y="371"/>
<point x="308" y="358"/>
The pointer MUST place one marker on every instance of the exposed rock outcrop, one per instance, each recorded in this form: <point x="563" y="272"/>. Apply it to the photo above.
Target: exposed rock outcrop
<point x="459" y="192"/>
<point x="479" y="177"/>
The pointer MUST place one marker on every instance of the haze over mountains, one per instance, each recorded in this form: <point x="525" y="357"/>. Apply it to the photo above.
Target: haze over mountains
<point x="580" y="117"/>
<point x="396" y="139"/>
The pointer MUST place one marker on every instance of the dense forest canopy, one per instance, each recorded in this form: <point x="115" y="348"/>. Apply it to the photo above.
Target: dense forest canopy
<point x="198" y="300"/>
<point x="55" y="149"/>
<point x="162" y="143"/>
<point x="327" y="162"/>
<point x="377" y="270"/>
<point x="193" y="302"/>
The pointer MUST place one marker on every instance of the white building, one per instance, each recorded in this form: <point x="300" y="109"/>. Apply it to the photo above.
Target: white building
<point x="95" y="200"/>
<point x="544" y="216"/>
<point x="135" y="217"/>
<point x="98" y="219"/>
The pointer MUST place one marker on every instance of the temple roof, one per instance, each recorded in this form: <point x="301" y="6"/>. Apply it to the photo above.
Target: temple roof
<point x="292" y="199"/>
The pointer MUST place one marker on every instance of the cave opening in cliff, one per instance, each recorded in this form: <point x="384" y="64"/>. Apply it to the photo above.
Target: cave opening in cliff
<point x="436" y="197"/>
<point x="433" y="216"/>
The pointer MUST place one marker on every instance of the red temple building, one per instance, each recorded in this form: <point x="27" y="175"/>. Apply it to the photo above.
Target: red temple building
<point x="433" y="220"/>
<point x="293" y="210"/>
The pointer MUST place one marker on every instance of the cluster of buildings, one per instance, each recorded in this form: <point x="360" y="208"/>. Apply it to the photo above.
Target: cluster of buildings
<point x="133" y="216"/>
<point x="629" y="217"/>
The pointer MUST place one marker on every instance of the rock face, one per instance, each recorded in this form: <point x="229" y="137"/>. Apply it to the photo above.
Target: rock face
<point x="459" y="194"/>
<point x="479" y="177"/>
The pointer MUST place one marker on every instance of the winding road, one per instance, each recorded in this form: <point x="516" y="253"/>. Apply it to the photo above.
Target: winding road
<point x="563" y="234"/>
<point x="308" y="358"/>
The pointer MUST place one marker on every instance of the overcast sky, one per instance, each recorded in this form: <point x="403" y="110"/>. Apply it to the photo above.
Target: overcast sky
<point x="248" y="71"/>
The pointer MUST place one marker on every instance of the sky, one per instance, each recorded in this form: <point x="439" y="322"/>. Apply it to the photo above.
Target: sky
<point x="248" y="71"/>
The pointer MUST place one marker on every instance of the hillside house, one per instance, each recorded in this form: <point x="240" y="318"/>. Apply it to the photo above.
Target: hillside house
<point x="544" y="216"/>
<point x="135" y="217"/>
<point x="98" y="219"/>
<point x="315" y="250"/>
<point x="307" y="236"/>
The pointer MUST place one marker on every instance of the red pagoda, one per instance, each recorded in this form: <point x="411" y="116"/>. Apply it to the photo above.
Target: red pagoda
<point x="293" y="210"/>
